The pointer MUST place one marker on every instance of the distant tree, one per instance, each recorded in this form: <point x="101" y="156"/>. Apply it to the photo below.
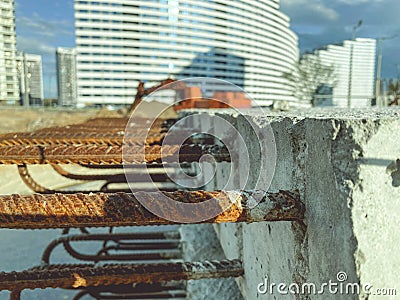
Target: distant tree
<point x="307" y="77"/>
<point x="393" y="92"/>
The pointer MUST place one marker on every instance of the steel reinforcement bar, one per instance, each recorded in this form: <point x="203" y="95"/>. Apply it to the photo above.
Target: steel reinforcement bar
<point x="79" y="133"/>
<point x="108" y="155"/>
<point x="121" y="121"/>
<point x="101" y="131"/>
<point x="132" y="241"/>
<point x="79" y="276"/>
<point x="122" y="209"/>
<point x="80" y="139"/>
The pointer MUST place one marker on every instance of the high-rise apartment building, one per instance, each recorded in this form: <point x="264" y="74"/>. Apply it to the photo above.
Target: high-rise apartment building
<point x="66" y="76"/>
<point x="9" y="92"/>
<point x="354" y="65"/>
<point x="119" y="42"/>
<point x="30" y="76"/>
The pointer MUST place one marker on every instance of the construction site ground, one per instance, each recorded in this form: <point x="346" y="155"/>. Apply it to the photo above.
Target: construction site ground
<point x="22" y="249"/>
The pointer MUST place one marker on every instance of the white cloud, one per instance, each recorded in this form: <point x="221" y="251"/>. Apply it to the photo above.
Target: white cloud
<point x="323" y="22"/>
<point x="357" y="2"/>
<point x="32" y="45"/>
<point x="309" y="10"/>
<point x="39" y="26"/>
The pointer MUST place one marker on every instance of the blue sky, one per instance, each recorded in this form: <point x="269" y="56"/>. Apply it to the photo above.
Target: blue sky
<point x="43" y="25"/>
<point x="323" y="22"/>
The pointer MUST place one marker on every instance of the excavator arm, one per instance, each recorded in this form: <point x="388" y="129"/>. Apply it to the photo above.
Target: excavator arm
<point x="142" y="92"/>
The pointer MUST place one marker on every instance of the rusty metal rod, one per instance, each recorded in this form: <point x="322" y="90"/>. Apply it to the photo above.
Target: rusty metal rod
<point x="121" y="209"/>
<point x="141" y="291"/>
<point x="83" y="140"/>
<point x="150" y="249"/>
<point x="137" y="121"/>
<point x="15" y="295"/>
<point x="111" y="178"/>
<point x="38" y="188"/>
<point x="106" y="155"/>
<point x="51" y="138"/>
<point x="79" y="133"/>
<point x="78" y="276"/>
<point x="92" y="132"/>
<point x="142" y="287"/>
<point x="30" y="182"/>
<point x="147" y="254"/>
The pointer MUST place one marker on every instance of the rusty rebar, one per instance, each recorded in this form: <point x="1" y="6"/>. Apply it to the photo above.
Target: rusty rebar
<point x="89" y="136"/>
<point x="134" y="241"/>
<point x="108" y="155"/>
<point x="112" y="178"/>
<point x="164" y="290"/>
<point x="81" y="139"/>
<point x="103" y="131"/>
<point x="32" y="184"/>
<point x="79" y="132"/>
<point x="122" y="209"/>
<point x="154" y="252"/>
<point x="79" y="276"/>
<point x="136" y="121"/>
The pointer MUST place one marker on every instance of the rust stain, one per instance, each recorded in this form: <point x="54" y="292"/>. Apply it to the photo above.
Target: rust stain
<point x="79" y="281"/>
<point x="231" y="206"/>
<point x="232" y="214"/>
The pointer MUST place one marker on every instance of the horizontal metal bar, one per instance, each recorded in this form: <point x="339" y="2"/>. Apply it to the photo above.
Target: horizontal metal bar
<point x="141" y="288"/>
<point x="124" y="241"/>
<point x="136" y="167"/>
<point x="78" y="276"/>
<point x="112" y="178"/>
<point x="81" y="139"/>
<point x="37" y="188"/>
<point x="121" y="209"/>
<point x="132" y="255"/>
<point x="106" y="155"/>
<point x="118" y="295"/>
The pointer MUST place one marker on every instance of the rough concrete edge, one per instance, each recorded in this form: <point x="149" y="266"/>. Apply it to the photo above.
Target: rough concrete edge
<point x="299" y="228"/>
<point x="357" y="134"/>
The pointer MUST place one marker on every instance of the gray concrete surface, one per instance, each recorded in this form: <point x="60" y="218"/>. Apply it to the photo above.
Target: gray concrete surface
<point x="346" y="166"/>
<point x="201" y="243"/>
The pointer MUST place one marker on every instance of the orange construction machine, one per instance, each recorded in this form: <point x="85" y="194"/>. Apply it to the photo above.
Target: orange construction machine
<point x="193" y="97"/>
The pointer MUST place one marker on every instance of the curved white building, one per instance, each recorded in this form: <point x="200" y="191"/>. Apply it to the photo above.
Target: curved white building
<point x="120" y="42"/>
<point x="354" y="63"/>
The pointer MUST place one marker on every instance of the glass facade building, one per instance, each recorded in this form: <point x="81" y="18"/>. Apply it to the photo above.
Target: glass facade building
<point x="354" y="65"/>
<point x="66" y="76"/>
<point x="120" y="42"/>
<point x="30" y="75"/>
<point x="9" y="88"/>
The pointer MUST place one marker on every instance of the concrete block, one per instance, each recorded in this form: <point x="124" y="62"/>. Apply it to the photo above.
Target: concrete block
<point x="201" y="243"/>
<point x="346" y="166"/>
